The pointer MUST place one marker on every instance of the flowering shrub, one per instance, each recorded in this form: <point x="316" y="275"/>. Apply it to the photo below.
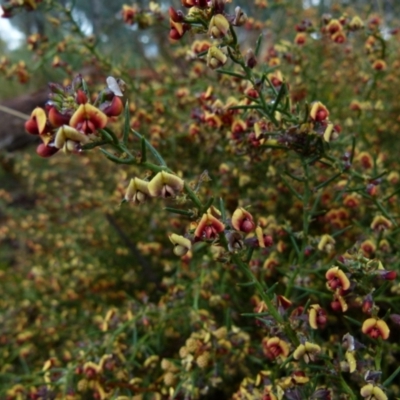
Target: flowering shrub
<point x="259" y="201"/>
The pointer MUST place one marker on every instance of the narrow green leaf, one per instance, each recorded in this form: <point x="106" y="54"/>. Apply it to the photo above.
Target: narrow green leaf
<point x="233" y="58"/>
<point x="127" y="123"/>
<point x="207" y="205"/>
<point x="287" y="361"/>
<point x="245" y="284"/>
<point x="272" y="87"/>
<point x="296" y="178"/>
<point x="92" y="145"/>
<point x="106" y="136"/>
<point x="338" y="233"/>
<point x="249" y="107"/>
<point x="263" y="314"/>
<point x="354" y="321"/>
<point x="291" y="188"/>
<point x="222" y="209"/>
<point x="391" y="377"/>
<point x="391" y="195"/>
<point x="353" y="146"/>
<point x="116" y="159"/>
<point x="177" y="211"/>
<point x="314" y="291"/>
<point x="231" y="73"/>
<point x="112" y="135"/>
<point x="381" y="289"/>
<point x="143" y="147"/>
<point x="294" y="243"/>
<point x="258" y="45"/>
<point x="327" y="182"/>
<point x="272" y="288"/>
<point x="281" y="94"/>
<point x="153" y="151"/>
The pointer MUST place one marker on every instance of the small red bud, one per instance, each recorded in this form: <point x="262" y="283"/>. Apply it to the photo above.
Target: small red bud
<point x="46" y="151"/>
<point x="81" y="97"/>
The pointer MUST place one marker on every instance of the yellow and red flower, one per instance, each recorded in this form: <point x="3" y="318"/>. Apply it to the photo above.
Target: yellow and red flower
<point x="376" y="328"/>
<point x="318" y="112"/>
<point x="36" y="124"/>
<point x="243" y="221"/>
<point x="275" y="348"/>
<point x="88" y="119"/>
<point x="337" y="279"/>
<point x="380" y="223"/>
<point x="317" y="316"/>
<point x="209" y="227"/>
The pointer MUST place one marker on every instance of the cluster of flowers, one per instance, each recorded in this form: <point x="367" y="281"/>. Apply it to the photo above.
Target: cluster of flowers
<point x="69" y="119"/>
<point x="208" y="17"/>
<point x="143" y="17"/>
<point x="13" y="6"/>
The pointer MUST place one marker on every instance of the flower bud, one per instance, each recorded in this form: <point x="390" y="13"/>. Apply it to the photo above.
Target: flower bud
<point x="58" y="119"/>
<point x="45" y="151"/>
<point x="113" y="108"/>
<point x="251" y="60"/>
<point x="240" y="17"/>
<point x="81" y="97"/>
<point x="182" y="244"/>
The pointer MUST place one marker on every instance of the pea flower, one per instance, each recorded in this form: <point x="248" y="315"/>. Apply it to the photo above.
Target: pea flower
<point x="308" y="351"/>
<point x="327" y="243"/>
<point x="88" y="119"/>
<point x="208" y="228"/>
<point x="372" y="392"/>
<point x="36" y="124"/>
<point x="275" y="347"/>
<point x="219" y="26"/>
<point x="375" y="328"/>
<point x="165" y="185"/>
<point x="216" y="58"/>
<point x="318" y="112"/>
<point x="243" y="221"/>
<point x="69" y="139"/>
<point x="380" y="223"/>
<point x="317" y="316"/>
<point x="137" y="191"/>
<point x="337" y="279"/>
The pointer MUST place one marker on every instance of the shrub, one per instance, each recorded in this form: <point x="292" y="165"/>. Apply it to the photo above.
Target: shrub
<point x="255" y="250"/>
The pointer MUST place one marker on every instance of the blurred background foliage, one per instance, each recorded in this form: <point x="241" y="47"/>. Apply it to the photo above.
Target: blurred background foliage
<point x="134" y="47"/>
